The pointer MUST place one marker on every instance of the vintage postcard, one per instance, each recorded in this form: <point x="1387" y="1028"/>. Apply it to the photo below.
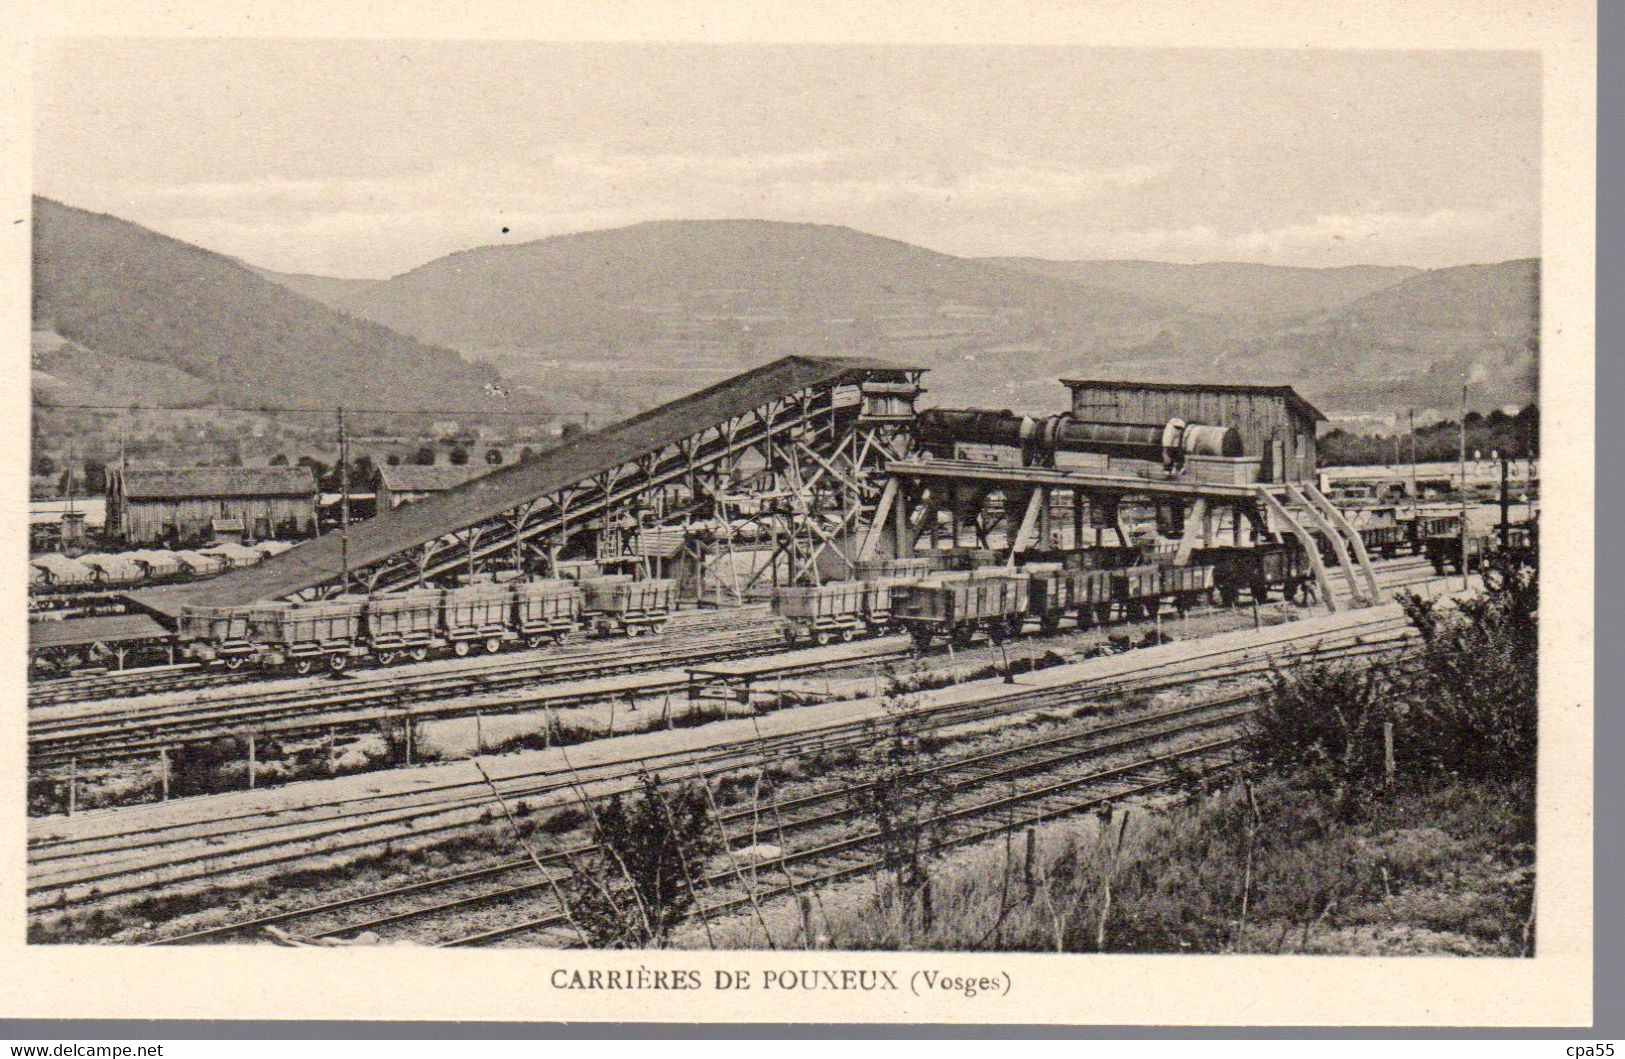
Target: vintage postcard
<point x="987" y="513"/>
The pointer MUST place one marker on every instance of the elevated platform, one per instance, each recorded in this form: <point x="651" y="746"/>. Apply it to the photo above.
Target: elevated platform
<point x="83" y="632"/>
<point x="541" y="502"/>
<point x="1071" y="478"/>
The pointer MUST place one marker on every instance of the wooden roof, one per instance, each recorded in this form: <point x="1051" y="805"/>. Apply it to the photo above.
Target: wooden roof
<point x="193" y="483"/>
<point x="1291" y="396"/>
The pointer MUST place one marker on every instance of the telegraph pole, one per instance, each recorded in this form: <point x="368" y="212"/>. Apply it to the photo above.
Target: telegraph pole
<point x="344" y="504"/>
<point x="1463" y="468"/>
<point x="1416" y="497"/>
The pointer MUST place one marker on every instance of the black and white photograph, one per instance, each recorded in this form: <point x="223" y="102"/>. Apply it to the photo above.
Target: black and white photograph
<point x="803" y="498"/>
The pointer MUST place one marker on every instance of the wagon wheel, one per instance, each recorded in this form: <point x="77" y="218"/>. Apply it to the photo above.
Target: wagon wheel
<point x="418" y="654"/>
<point x="1049" y="624"/>
<point x="535" y="640"/>
<point x="848" y="634"/>
<point x="338" y="663"/>
<point x="1261" y="591"/>
<point x="303" y="666"/>
<point x="823" y="637"/>
<point x="388" y="658"/>
<point x="1227" y="594"/>
<point x="921" y="636"/>
<point x="460" y="648"/>
<point x="559" y="636"/>
<point x="493" y="644"/>
<point x="234" y="662"/>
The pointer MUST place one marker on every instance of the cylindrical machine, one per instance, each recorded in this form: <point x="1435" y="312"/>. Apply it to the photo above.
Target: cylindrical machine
<point x="1040" y="439"/>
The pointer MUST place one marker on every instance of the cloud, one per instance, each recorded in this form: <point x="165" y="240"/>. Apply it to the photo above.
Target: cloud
<point x="381" y="224"/>
<point x="1444" y="236"/>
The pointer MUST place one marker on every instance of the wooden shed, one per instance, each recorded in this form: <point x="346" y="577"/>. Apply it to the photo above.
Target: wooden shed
<point x="1275" y="423"/>
<point x="182" y="505"/>
<point x="408" y="482"/>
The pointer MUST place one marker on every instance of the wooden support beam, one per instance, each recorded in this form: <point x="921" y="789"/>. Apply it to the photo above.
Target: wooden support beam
<point x="1335" y="517"/>
<point x="1304" y="538"/>
<point x="1187" y="541"/>
<point x="1018" y="541"/>
<point x="904" y="546"/>
<point x="1339" y="545"/>
<point x="877" y="526"/>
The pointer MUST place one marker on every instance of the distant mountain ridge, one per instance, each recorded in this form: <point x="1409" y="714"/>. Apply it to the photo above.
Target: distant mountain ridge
<point x="655" y="309"/>
<point x="1238" y="289"/>
<point x="617" y="320"/>
<point x="135" y="305"/>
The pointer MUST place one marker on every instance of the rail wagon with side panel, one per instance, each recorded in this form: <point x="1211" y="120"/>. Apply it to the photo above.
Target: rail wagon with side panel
<point x="959" y="608"/>
<point x="621" y="605"/>
<point x="546" y="610"/>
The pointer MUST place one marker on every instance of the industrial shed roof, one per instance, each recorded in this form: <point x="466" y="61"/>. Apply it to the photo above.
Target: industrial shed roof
<point x="189" y="483"/>
<point x="504" y="489"/>
<point x="1292" y="396"/>
<point x="416" y="478"/>
<point x="77" y="632"/>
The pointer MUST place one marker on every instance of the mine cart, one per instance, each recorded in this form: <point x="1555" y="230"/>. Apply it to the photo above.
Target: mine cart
<point x="305" y="635"/>
<point x="913" y="567"/>
<point x="883" y="599"/>
<point x="959" y="608"/>
<point x="223" y="634"/>
<point x="1386" y="541"/>
<point x="403" y="624"/>
<point x="1136" y="589"/>
<point x="1050" y="594"/>
<point x="1183" y="586"/>
<point x="477" y="616"/>
<point x="1284" y="565"/>
<point x="619" y="604"/>
<point x="546" y="610"/>
<point x="822" y="613"/>
<point x="1091" y="595"/>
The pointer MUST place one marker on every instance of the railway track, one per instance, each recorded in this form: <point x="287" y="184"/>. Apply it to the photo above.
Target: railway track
<point x="97" y="734"/>
<point x="1036" y="770"/>
<point x="115" y="861"/>
<point x="141" y="729"/>
<point x="190" y="676"/>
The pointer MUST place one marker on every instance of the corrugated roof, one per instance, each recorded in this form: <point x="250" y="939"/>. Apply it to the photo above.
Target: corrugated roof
<point x="415" y="478"/>
<point x="182" y="483"/>
<point x="504" y="489"/>
<point x="1279" y="390"/>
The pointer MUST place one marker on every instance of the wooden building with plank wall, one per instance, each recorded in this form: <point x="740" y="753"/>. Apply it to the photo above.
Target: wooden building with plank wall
<point x="1275" y="423"/>
<point x="182" y="505"/>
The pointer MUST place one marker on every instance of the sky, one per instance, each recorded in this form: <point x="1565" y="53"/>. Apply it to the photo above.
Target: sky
<point x="367" y="158"/>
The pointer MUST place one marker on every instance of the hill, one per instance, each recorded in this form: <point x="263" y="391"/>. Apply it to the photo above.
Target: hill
<point x="331" y="291"/>
<point x="655" y="309"/>
<point x="616" y="320"/>
<point x="164" y="321"/>
<point x="1232" y="289"/>
<point x="1409" y="345"/>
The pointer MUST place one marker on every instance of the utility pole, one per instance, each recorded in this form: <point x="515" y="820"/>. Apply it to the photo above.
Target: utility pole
<point x="344" y="504"/>
<point x="1415" y="495"/>
<point x="1463" y="468"/>
<point x="1506" y="512"/>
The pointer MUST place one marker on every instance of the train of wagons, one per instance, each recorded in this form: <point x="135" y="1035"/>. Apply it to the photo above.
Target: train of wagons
<point x="417" y="623"/>
<point x="959" y="596"/>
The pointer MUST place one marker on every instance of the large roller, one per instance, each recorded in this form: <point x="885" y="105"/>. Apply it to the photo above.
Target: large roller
<point x="1040" y="439"/>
